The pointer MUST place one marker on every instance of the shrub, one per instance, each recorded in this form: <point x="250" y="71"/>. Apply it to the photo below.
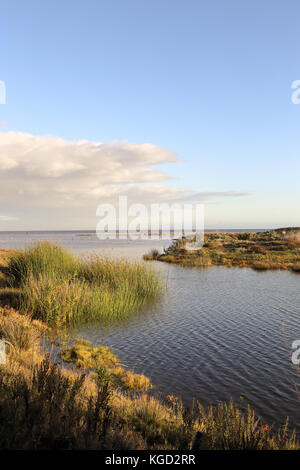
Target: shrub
<point x="48" y="412"/>
<point x="226" y="427"/>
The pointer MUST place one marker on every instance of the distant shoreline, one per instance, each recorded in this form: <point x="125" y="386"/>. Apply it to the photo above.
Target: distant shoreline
<point x="274" y="249"/>
<point x="229" y="230"/>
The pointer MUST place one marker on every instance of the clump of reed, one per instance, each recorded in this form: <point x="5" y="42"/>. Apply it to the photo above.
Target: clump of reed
<point x="43" y="258"/>
<point x="61" y="302"/>
<point x="61" y="290"/>
<point x="141" y="280"/>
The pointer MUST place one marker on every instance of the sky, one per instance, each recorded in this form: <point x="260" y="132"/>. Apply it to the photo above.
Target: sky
<point x="158" y="100"/>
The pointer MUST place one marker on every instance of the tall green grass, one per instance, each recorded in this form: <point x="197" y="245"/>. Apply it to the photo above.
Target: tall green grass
<point x="41" y="258"/>
<point x="61" y="289"/>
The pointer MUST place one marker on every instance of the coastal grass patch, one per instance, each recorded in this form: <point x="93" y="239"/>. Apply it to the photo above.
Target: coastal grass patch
<point x="61" y="302"/>
<point x="56" y="287"/>
<point x="41" y="258"/>
<point x="143" y="281"/>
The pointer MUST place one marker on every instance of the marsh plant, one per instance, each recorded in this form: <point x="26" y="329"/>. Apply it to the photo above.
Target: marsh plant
<point x="60" y="289"/>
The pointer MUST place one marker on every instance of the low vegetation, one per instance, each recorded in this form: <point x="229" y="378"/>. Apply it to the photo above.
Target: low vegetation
<point x="87" y="399"/>
<point x="276" y="249"/>
<point x="62" y="290"/>
<point x="89" y="357"/>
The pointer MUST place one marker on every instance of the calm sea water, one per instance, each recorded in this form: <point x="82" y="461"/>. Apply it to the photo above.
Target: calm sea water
<point x="217" y="333"/>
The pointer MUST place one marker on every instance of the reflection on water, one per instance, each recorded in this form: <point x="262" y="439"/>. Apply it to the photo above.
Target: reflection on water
<point x="217" y="333"/>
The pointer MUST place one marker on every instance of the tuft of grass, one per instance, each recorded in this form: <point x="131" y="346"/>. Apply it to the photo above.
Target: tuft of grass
<point x="61" y="302"/>
<point x="130" y="381"/>
<point x="41" y="258"/>
<point x="261" y="266"/>
<point x="86" y="356"/>
<point x="143" y="281"/>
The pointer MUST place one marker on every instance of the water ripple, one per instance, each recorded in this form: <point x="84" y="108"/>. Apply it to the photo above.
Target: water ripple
<point x="218" y="334"/>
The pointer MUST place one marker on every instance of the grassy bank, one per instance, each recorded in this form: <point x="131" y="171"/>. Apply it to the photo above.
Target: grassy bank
<point x="61" y="290"/>
<point x="276" y="249"/>
<point x="98" y="404"/>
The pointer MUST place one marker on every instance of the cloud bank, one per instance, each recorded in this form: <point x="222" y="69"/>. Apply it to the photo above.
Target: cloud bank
<point x="50" y="177"/>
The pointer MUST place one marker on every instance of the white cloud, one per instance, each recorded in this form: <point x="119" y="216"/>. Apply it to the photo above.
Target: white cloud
<point x="52" y="178"/>
<point x="58" y="171"/>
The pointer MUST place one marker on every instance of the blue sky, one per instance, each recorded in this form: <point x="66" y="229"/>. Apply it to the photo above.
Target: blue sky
<point x="208" y="80"/>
